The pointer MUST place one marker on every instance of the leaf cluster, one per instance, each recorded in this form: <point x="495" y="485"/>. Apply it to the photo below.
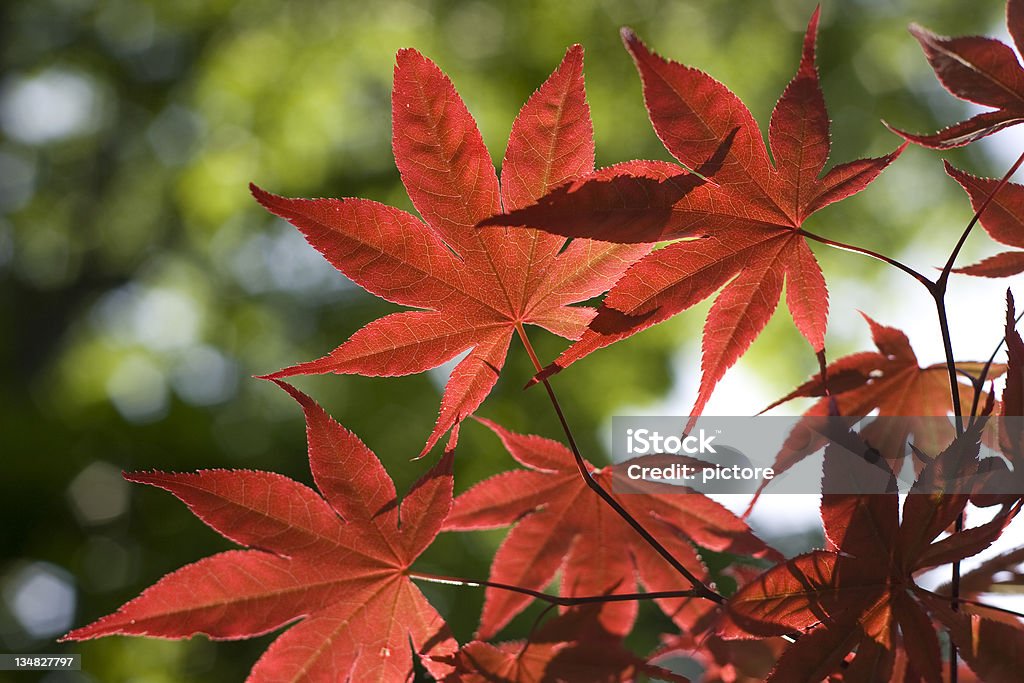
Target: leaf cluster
<point x="490" y="255"/>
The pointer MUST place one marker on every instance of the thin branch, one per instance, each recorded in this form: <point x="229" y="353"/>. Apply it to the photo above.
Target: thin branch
<point x="938" y="291"/>
<point x="995" y="608"/>
<point x="947" y="345"/>
<point x="562" y="601"/>
<point x="979" y="603"/>
<point x="701" y="589"/>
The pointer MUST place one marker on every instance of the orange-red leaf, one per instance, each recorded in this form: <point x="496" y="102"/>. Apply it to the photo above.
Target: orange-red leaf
<point x="571" y="647"/>
<point x="891" y="381"/>
<point x="476" y="286"/>
<point x="561" y="524"/>
<point x="335" y="562"/>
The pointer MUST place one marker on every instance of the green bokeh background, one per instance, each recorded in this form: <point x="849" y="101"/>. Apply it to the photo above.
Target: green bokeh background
<point x="141" y="287"/>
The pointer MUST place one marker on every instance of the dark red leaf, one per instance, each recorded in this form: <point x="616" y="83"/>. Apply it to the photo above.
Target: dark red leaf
<point x="993" y="649"/>
<point x="817" y="653"/>
<point x="980" y="70"/>
<point x="1003" y="219"/>
<point x="1013" y="393"/>
<point x="852" y="599"/>
<point x="571" y="647"/>
<point x="1001" y="265"/>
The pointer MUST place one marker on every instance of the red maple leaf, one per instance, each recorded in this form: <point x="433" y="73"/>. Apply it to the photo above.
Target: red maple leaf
<point x="747" y="219"/>
<point x="337" y="564"/>
<point x="1001" y="573"/>
<point x="723" y="661"/>
<point x="976" y="69"/>
<point x="560" y="523"/>
<point x="1003" y="220"/>
<point x="1013" y="393"/>
<point x="476" y="287"/>
<point x="861" y="595"/>
<point x="1003" y="484"/>
<point x="892" y="382"/>
<point x="1012" y="441"/>
<point x="571" y="647"/>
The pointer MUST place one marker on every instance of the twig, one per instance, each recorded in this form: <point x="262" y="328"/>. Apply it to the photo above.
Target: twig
<point x="701" y="589"/>
<point x="947" y="345"/>
<point x="979" y="603"/>
<point x="562" y="601"/>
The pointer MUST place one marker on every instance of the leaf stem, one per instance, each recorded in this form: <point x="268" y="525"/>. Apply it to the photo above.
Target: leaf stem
<point x="700" y="589"/>
<point x="563" y="601"/>
<point x="872" y="254"/>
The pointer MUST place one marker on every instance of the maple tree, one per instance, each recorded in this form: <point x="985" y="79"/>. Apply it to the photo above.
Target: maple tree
<point x="335" y="566"/>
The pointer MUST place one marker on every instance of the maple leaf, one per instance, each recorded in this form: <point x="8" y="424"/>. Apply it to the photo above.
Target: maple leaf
<point x="476" y="287"/>
<point x="1003" y="485"/>
<point x="862" y="594"/>
<point x="1013" y="393"/>
<point x="560" y="523"/>
<point x="569" y="648"/>
<point x="337" y="561"/>
<point x="724" y="661"/>
<point x="993" y="649"/>
<point x="746" y="220"/>
<point x="976" y="69"/>
<point x="890" y="381"/>
<point x="1002" y="572"/>
<point x="1003" y="220"/>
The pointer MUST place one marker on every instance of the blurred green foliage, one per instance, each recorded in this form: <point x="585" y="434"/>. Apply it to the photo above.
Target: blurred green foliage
<point x="141" y="287"/>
